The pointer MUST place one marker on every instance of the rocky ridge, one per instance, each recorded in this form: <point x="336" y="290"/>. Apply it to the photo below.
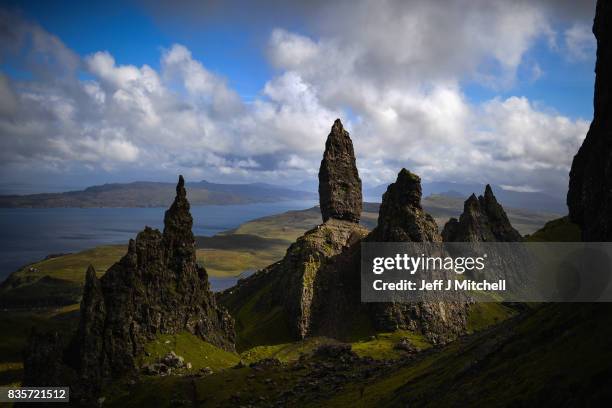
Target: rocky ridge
<point x="156" y="288"/>
<point x="589" y="198"/>
<point x="483" y="220"/>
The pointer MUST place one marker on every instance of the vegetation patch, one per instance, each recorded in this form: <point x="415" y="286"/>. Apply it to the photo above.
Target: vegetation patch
<point x="485" y="314"/>
<point x="192" y="348"/>
<point x="16" y="327"/>
<point x="559" y="230"/>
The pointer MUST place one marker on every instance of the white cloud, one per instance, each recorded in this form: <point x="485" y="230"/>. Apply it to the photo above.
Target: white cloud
<point x="392" y="70"/>
<point x="520" y="189"/>
<point x="579" y="41"/>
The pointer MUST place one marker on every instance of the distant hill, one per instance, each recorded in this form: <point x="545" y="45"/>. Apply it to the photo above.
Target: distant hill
<point x="535" y="201"/>
<point x="156" y="194"/>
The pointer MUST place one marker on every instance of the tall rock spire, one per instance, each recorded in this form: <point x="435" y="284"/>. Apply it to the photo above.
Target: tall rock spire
<point x="178" y="223"/>
<point x="590" y="189"/>
<point x="483" y="220"/>
<point x="339" y="182"/>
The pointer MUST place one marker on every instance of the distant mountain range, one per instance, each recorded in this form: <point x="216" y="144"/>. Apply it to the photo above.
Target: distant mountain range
<point x="156" y="194"/>
<point x="535" y="201"/>
<point x="160" y="194"/>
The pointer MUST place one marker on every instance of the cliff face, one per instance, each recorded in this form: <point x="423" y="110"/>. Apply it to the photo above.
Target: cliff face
<point x="157" y="287"/>
<point x="341" y="204"/>
<point x="305" y="265"/>
<point x="339" y="182"/>
<point x="483" y="220"/>
<point x="590" y="189"/>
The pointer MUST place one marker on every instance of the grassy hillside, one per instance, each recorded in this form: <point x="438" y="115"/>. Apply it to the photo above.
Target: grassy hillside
<point x="553" y="355"/>
<point x="558" y="355"/>
<point x="559" y="230"/>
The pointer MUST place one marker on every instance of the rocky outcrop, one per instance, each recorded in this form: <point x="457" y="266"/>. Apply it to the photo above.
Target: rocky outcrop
<point x="483" y="220"/>
<point x="315" y="290"/>
<point x="590" y="188"/>
<point x="292" y="284"/>
<point x="156" y="288"/>
<point x="401" y="217"/>
<point x="337" y="309"/>
<point x="339" y="182"/>
<point x="303" y="264"/>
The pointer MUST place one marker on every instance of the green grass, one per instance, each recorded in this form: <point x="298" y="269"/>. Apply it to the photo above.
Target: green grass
<point x="555" y="355"/>
<point x="228" y="263"/>
<point x="72" y="267"/>
<point x="485" y="314"/>
<point x="287" y="226"/>
<point x="193" y="349"/>
<point x="255" y="327"/>
<point x="559" y="230"/>
<point x="381" y="345"/>
<point x="285" y="352"/>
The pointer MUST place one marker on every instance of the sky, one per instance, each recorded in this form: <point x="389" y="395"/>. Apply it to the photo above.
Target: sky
<point x="478" y="91"/>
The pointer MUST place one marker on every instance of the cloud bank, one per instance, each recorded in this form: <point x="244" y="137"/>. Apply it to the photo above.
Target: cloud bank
<point x="395" y="72"/>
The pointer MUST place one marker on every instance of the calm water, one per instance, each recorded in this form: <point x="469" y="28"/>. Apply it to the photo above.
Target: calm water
<point x="28" y="235"/>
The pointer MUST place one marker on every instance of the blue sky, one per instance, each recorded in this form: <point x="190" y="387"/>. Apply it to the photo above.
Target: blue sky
<point x="238" y="94"/>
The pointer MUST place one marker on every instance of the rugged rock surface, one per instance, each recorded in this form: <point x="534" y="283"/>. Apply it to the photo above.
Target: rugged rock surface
<point x="316" y="287"/>
<point x="315" y="290"/>
<point x="292" y="283"/>
<point x="339" y="312"/>
<point x="483" y="220"/>
<point x="303" y="263"/>
<point x="339" y="182"/>
<point x="157" y="287"/>
<point x="401" y="217"/>
<point x="590" y="189"/>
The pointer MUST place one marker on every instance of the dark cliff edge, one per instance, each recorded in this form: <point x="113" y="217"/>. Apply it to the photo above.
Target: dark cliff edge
<point x="589" y="198"/>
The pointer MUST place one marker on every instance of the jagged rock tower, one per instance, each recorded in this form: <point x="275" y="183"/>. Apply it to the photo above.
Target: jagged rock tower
<point x="483" y="220"/>
<point x="590" y="189"/>
<point x="341" y="204"/>
<point x="157" y="287"/>
<point x="291" y="285"/>
<point x="401" y="217"/>
<point x="315" y="289"/>
<point x="339" y="182"/>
